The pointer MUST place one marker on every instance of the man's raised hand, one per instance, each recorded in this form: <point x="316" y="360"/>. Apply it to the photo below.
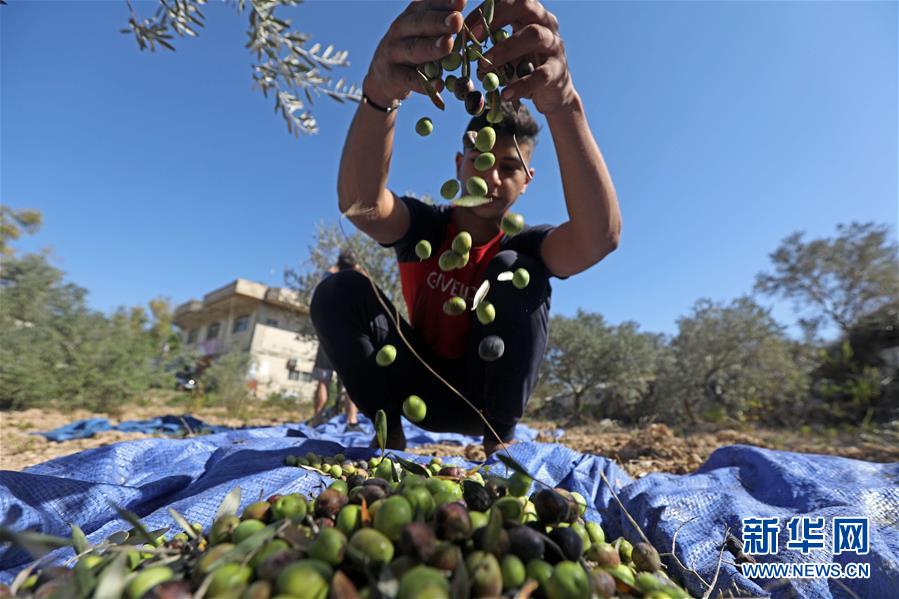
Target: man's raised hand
<point x="421" y="33"/>
<point x="535" y="38"/>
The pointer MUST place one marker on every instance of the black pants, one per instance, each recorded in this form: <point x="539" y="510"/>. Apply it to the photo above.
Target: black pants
<point x="352" y="326"/>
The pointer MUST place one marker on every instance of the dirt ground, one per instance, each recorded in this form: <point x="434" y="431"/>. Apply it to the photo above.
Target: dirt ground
<point x="656" y="448"/>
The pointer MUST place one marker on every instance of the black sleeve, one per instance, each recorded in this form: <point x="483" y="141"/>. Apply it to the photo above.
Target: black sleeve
<point x="425" y="222"/>
<point x="529" y="242"/>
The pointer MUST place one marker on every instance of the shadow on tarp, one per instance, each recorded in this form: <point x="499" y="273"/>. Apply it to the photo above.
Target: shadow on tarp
<point x="193" y="475"/>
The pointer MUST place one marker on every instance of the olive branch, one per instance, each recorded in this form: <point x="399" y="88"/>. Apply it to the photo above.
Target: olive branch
<point x="284" y="65"/>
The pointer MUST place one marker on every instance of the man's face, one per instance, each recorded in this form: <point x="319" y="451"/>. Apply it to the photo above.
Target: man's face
<point x="505" y="181"/>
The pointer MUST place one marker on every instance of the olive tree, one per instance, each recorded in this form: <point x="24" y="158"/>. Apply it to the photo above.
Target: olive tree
<point x="611" y="366"/>
<point x="284" y="65"/>
<point x="835" y="280"/>
<point x="57" y="351"/>
<point x="730" y="361"/>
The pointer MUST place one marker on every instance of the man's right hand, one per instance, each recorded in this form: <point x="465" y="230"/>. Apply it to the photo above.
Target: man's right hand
<point x="421" y="33"/>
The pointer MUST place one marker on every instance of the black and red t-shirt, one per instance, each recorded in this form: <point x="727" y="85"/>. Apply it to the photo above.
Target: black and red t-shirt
<point x="426" y="287"/>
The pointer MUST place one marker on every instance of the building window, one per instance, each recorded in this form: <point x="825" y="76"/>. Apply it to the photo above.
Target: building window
<point x="271" y="322"/>
<point x="241" y="324"/>
<point x="192" y="335"/>
<point x="293" y="375"/>
<point x="213" y="331"/>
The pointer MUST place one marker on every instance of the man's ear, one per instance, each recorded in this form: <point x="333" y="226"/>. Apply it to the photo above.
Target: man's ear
<point x="531" y="171"/>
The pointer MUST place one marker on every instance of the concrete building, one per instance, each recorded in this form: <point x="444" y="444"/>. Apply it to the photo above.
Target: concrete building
<point x="264" y="321"/>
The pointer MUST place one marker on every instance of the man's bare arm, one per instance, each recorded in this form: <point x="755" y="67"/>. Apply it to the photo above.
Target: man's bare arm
<point x="421" y="33"/>
<point x="362" y="180"/>
<point x="594" y="217"/>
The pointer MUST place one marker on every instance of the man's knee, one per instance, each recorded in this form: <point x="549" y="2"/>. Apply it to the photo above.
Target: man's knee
<point x="333" y="291"/>
<point x="536" y="291"/>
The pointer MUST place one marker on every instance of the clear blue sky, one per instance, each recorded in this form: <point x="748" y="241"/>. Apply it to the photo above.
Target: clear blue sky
<point x="726" y="126"/>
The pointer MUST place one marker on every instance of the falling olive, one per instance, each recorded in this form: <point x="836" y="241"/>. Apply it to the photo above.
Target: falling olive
<point x="423" y="249"/>
<point x="485" y="139"/>
<point x="485" y="161"/>
<point x="449" y="189"/>
<point x="424" y="126"/>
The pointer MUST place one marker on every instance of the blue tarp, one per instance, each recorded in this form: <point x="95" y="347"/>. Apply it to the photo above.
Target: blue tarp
<point x="194" y="474"/>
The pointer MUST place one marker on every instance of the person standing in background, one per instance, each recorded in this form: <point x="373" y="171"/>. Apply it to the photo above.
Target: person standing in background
<point x="323" y="371"/>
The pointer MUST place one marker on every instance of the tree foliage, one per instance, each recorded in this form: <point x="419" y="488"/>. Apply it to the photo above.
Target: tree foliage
<point x="732" y="361"/>
<point x="835" y="280"/>
<point x="12" y="223"/>
<point x="58" y="352"/>
<point x="284" y="65"/>
<point x="610" y="366"/>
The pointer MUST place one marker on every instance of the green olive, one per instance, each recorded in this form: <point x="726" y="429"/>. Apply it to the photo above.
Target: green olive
<point x="490" y="82"/>
<point x="431" y="70"/>
<point x="371" y="544"/>
<point x="393" y="515"/>
<point x="245" y="529"/>
<point x="329" y="546"/>
<point x="147" y="579"/>
<point x="414" y="408"/>
<point x="447" y="260"/>
<point x="386" y="355"/>
<point x="521" y="278"/>
<point x="485" y="312"/>
<point x="500" y="35"/>
<point x="451" y="62"/>
<point x="485" y="139"/>
<point x="512" y="224"/>
<point x="494" y="116"/>
<point x="471" y="53"/>
<point x="454" y="306"/>
<point x="449" y="189"/>
<point x="485" y="161"/>
<point x="450" y="83"/>
<point x="423" y="249"/>
<point x="424" y="126"/>
<point x="476" y="186"/>
<point x="462" y="243"/>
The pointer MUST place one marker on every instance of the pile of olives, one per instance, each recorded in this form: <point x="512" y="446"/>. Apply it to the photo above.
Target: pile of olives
<point x="410" y="531"/>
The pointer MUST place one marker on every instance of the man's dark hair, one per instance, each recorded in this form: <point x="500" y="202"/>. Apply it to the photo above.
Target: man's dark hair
<point x="345" y="260"/>
<point x="520" y="123"/>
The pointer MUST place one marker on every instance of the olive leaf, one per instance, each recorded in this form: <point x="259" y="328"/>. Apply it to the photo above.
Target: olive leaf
<point x="134" y="521"/>
<point x="183" y="523"/>
<point x="79" y="541"/>
<point x="432" y="93"/>
<point x="487" y="12"/>
<point x="480" y="294"/>
<point x="118" y="537"/>
<point x="249" y="545"/>
<point x="36" y="543"/>
<point x="461" y="586"/>
<point x="381" y="430"/>
<point x="477" y="53"/>
<point x="413" y="467"/>
<point x="494" y="528"/>
<point x="229" y="504"/>
<point x="471" y="201"/>
<point x="511" y="463"/>
<point x="112" y="579"/>
<point x="21" y="577"/>
<point x="153" y="534"/>
<point x="85" y="581"/>
<point x="506" y="275"/>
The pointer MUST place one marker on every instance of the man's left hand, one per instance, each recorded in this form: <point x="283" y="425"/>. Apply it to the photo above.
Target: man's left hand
<point x="535" y="38"/>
